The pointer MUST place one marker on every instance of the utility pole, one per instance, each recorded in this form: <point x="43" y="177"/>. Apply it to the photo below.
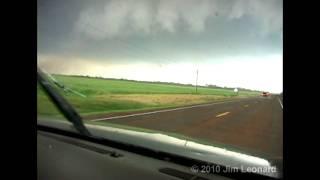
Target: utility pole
<point x="197" y="82"/>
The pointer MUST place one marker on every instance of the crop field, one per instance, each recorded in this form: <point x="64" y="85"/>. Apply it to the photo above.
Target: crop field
<point x="105" y="96"/>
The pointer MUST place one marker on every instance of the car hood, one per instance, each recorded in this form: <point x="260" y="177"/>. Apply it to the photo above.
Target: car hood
<point x="165" y="143"/>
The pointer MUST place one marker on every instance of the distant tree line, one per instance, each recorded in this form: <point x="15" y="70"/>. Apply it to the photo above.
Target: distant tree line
<point x="166" y="83"/>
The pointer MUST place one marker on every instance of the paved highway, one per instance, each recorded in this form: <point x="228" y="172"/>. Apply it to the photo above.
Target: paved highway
<point x="252" y="125"/>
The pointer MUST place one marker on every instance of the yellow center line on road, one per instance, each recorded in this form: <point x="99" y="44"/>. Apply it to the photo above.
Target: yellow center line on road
<point x="246" y="105"/>
<point x="222" y="114"/>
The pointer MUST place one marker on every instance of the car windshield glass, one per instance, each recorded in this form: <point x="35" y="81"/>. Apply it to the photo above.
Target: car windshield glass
<point x="209" y="71"/>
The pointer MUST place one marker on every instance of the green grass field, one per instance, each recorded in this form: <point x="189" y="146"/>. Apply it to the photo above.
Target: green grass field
<point x="110" y="96"/>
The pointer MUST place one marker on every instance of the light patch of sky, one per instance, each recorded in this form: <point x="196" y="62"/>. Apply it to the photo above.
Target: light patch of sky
<point x="265" y="74"/>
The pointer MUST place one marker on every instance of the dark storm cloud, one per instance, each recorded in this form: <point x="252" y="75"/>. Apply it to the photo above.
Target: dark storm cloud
<point x="153" y="30"/>
<point x="236" y="43"/>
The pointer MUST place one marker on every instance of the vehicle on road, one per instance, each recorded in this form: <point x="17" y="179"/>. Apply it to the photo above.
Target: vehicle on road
<point x="265" y="94"/>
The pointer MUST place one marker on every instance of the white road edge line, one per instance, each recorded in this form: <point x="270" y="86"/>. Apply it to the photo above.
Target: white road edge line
<point x="280" y="103"/>
<point x="160" y="111"/>
<point x="222" y="114"/>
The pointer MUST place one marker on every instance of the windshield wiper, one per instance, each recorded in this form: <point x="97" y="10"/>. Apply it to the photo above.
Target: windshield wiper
<point x="62" y="104"/>
<point x="62" y="86"/>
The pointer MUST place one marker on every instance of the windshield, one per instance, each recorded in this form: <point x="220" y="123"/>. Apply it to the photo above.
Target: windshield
<point x="209" y="71"/>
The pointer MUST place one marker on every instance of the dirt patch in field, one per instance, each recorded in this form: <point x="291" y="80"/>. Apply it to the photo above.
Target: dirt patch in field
<point x="164" y="99"/>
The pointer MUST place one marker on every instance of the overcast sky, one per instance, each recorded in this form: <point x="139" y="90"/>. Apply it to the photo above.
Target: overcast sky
<point x="234" y="43"/>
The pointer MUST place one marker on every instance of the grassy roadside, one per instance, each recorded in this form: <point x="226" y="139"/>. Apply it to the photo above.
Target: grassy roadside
<point x="106" y="96"/>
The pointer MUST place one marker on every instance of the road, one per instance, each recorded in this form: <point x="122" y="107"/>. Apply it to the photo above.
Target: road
<point x="252" y="125"/>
